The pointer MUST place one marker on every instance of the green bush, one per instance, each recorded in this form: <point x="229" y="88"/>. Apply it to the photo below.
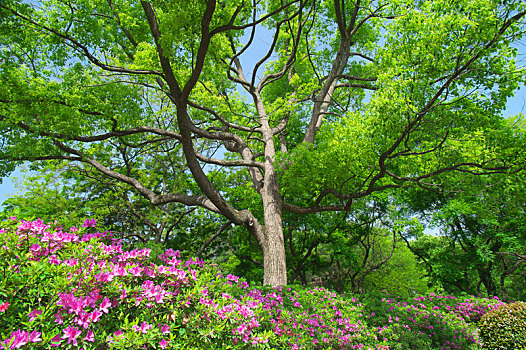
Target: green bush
<point x="504" y="327"/>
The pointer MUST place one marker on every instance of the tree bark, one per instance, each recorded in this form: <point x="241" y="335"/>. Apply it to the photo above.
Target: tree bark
<point x="273" y="245"/>
<point x="487" y="280"/>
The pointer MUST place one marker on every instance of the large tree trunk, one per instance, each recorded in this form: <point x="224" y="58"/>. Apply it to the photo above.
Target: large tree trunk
<point x="273" y="245"/>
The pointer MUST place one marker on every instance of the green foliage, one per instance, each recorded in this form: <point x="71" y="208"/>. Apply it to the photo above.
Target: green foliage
<point x="79" y="287"/>
<point x="504" y="327"/>
<point x="401" y="275"/>
<point x="482" y="234"/>
<point x="432" y="321"/>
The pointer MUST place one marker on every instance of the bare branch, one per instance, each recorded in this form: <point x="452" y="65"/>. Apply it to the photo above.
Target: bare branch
<point x="165" y="62"/>
<point x="350" y="85"/>
<point x="154" y="198"/>
<point x="211" y="239"/>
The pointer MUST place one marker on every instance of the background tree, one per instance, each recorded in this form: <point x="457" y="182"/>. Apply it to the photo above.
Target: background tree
<point x="71" y="194"/>
<point x="481" y="220"/>
<point x="356" y="98"/>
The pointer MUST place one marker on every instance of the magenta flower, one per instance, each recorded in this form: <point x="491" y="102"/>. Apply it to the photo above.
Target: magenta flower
<point x="136" y="271"/>
<point x="165" y="329"/>
<point x="71" y="333"/>
<point x="58" y="318"/>
<point x="89" y="336"/>
<point x="56" y="340"/>
<point x="144" y="328"/>
<point x="33" y="315"/>
<point x="95" y="315"/>
<point x="4" y="306"/>
<point x="116" y="336"/>
<point x="34" y="337"/>
<point x="232" y="278"/>
<point x="103" y="307"/>
<point x="17" y="339"/>
<point x="89" y="223"/>
<point x="163" y="343"/>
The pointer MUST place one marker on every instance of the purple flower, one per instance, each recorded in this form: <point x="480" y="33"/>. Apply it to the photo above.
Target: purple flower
<point x="71" y="333"/>
<point x="89" y="223"/>
<point x="34" y="337"/>
<point x="163" y="343"/>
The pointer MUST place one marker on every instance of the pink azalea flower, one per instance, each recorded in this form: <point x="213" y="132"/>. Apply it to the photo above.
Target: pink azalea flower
<point x="95" y="315"/>
<point x="4" y="306"/>
<point x="144" y="328"/>
<point x="103" y="307"/>
<point x="58" y="318"/>
<point x="17" y="339"/>
<point x="56" y="340"/>
<point x="34" y="337"/>
<point x="116" y="336"/>
<point x="71" y="333"/>
<point x="165" y="329"/>
<point x="136" y="271"/>
<point x="89" y="336"/>
<point x="84" y="319"/>
<point x="163" y="343"/>
<point x="33" y="315"/>
<point x="89" y="223"/>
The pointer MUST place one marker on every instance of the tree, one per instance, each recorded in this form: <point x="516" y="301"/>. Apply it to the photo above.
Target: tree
<point x="71" y="194"/>
<point x="481" y="221"/>
<point x="356" y="98"/>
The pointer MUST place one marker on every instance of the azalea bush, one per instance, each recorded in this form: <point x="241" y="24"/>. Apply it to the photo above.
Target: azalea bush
<point x="434" y="321"/>
<point x="78" y="287"/>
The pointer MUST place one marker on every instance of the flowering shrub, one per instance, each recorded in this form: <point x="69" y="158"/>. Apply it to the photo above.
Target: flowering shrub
<point x="429" y="322"/>
<point x="76" y="287"/>
<point x="79" y="288"/>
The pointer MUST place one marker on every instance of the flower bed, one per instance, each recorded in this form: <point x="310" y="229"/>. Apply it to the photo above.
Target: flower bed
<point x="79" y="288"/>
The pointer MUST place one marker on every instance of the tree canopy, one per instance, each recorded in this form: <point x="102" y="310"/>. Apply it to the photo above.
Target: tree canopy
<point x="349" y="100"/>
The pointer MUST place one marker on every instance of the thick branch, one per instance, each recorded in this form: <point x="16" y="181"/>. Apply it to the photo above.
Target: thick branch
<point x="154" y="198"/>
